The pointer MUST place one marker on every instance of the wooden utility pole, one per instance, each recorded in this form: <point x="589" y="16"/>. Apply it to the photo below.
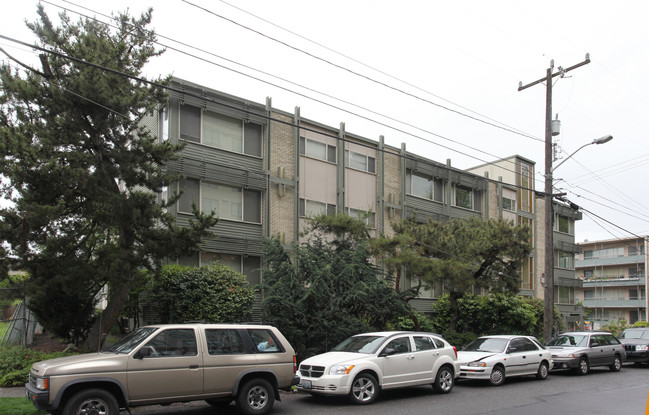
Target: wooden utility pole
<point x="548" y="292"/>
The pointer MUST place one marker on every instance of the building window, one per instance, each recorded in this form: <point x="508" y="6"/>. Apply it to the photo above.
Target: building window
<point x="509" y="204"/>
<point x="317" y="150"/>
<point x="220" y="131"/>
<point x="564" y="224"/>
<point x="527" y="275"/>
<point x="229" y="202"/>
<point x="360" y="161"/>
<point x="526" y="192"/>
<point x="425" y="187"/>
<point x="468" y="198"/>
<point x="566" y="295"/>
<point x="565" y="260"/>
<point x="367" y="216"/>
<point x="311" y="208"/>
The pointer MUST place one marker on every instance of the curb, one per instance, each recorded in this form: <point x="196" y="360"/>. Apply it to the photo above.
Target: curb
<point x="17" y="392"/>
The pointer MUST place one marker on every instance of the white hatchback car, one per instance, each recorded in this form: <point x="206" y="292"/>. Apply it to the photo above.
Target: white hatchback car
<point x="494" y="358"/>
<point x="365" y="364"/>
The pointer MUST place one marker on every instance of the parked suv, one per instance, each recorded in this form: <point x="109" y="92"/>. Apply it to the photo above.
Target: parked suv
<point x="162" y="364"/>
<point x="363" y="365"/>
<point x="636" y="344"/>
<point x="581" y="350"/>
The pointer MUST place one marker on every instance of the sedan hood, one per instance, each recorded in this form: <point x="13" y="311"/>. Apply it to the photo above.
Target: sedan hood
<point x="466" y="357"/>
<point x="335" y="358"/>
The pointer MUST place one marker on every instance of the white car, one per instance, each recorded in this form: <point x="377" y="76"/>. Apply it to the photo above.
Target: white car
<point x="363" y="365"/>
<point x="494" y="358"/>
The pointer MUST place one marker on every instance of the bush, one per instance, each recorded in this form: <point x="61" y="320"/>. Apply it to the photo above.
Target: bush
<point x="614" y="327"/>
<point x="641" y="324"/>
<point x="15" y="363"/>
<point x="459" y="340"/>
<point x="212" y="293"/>
<point x="407" y="323"/>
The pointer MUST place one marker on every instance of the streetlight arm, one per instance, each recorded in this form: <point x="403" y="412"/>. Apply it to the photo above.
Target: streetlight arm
<point x="601" y="140"/>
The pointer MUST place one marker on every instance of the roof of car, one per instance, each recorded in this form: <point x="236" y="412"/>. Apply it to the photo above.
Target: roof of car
<point x="394" y="333"/>
<point x="584" y="332"/>
<point x="505" y="336"/>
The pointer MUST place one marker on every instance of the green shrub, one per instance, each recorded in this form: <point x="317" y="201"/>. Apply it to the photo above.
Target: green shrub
<point x="641" y="324"/>
<point x="407" y="323"/>
<point x="614" y="327"/>
<point x="15" y="363"/>
<point x="459" y="340"/>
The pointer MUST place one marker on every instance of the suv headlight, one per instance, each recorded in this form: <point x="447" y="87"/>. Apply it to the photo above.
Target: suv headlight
<point x="42" y="383"/>
<point x="642" y="348"/>
<point x="341" y="369"/>
<point x="477" y="364"/>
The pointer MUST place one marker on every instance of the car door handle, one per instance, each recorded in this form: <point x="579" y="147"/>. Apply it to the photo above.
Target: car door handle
<point x="524" y="357"/>
<point x="410" y="357"/>
<point x="193" y="366"/>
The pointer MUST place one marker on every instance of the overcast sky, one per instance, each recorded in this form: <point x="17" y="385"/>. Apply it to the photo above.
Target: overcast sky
<point x="440" y="76"/>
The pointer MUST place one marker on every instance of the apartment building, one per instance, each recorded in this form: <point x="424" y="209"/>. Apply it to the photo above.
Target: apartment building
<point x="265" y="171"/>
<point x="614" y="280"/>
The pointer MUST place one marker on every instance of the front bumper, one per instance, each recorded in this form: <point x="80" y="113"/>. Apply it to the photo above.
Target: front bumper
<point x="563" y="363"/>
<point x="40" y="399"/>
<point x="325" y="385"/>
<point x="639" y="357"/>
<point x="469" y="372"/>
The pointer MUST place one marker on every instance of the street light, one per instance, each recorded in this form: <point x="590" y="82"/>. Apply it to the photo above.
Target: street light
<point x="548" y="293"/>
<point x="601" y="140"/>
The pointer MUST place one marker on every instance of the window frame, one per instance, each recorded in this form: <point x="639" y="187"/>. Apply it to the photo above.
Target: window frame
<point x="349" y="154"/>
<point x="246" y="196"/>
<point x="329" y="150"/>
<point x="244" y="128"/>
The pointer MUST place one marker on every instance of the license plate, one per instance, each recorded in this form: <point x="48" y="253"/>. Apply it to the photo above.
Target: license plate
<point x="306" y="384"/>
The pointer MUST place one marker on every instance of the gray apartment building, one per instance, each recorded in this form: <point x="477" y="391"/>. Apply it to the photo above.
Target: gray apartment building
<point x="265" y="171"/>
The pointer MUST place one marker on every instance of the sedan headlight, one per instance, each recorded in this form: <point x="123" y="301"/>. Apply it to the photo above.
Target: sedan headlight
<point x="42" y="383"/>
<point x="341" y="369"/>
<point x="564" y="355"/>
<point x="477" y="364"/>
<point x="642" y="348"/>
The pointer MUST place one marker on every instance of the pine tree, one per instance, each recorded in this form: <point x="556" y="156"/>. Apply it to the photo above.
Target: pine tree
<point x="84" y="173"/>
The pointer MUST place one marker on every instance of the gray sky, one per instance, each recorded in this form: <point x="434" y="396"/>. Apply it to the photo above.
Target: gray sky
<point x="422" y="72"/>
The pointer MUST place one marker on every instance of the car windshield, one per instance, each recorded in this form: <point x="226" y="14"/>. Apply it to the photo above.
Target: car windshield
<point x="131" y="341"/>
<point x="487" y="344"/>
<point x="635" y="334"/>
<point x="360" y="344"/>
<point x="571" y="340"/>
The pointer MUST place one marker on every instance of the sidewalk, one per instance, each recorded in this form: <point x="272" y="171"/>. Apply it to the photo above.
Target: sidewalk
<point x="17" y="392"/>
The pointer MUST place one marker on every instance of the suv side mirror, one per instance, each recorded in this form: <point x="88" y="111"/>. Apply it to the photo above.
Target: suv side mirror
<point x="145" y="351"/>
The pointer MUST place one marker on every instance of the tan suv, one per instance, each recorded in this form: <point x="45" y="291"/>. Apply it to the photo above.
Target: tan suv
<point x="162" y="364"/>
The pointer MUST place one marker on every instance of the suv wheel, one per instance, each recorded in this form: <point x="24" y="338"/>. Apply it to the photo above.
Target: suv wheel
<point x="444" y="380"/>
<point x="365" y="389"/>
<point x="583" y="367"/>
<point x="92" y="401"/>
<point x="497" y="376"/>
<point x="256" y="397"/>
<point x="617" y="364"/>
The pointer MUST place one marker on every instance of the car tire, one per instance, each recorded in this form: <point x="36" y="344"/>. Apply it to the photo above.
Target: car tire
<point x="365" y="389"/>
<point x="256" y="397"/>
<point x="583" y="367"/>
<point x="497" y="376"/>
<point x="543" y="371"/>
<point x="92" y="401"/>
<point x="617" y="364"/>
<point x="444" y="380"/>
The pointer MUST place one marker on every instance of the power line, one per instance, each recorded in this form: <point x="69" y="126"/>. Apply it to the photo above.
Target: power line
<point x="368" y="78"/>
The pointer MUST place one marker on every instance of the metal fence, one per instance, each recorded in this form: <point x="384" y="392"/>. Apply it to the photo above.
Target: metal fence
<point x="20" y="328"/>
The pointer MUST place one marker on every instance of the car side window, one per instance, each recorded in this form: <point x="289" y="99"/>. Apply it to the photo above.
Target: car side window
<point x="400" y="345"/>
<point x="265" y="341"/>
<point x="528" y="345"/>
<point x="612" y="340"/>
<point x="173" y="342"/>
<point x="224" y="341"/>
<point x="439" y="343"/>
<point x="516" y="346"/>
<point x="423" y="343"/>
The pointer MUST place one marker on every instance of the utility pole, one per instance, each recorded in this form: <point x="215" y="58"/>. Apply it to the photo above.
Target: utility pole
<point x="548" y="293"/>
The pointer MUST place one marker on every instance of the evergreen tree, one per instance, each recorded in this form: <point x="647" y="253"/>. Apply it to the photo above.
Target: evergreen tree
<point x="328" y="287"/>
<point x="464" y="255"/>
<point x="84" y="174"/>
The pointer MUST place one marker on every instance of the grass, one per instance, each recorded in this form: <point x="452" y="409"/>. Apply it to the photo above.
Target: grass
<point x="4" y="325"/>
<point x="18" y="406"/>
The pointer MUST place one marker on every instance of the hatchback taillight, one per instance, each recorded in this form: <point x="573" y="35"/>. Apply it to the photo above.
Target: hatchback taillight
<point x="455" y="350"/>
<point x="294" y="364"/>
